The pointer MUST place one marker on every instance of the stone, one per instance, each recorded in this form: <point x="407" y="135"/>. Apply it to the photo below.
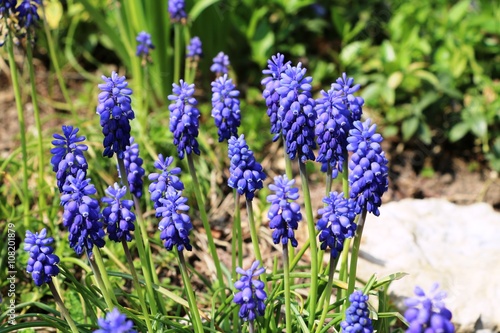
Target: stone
<point x="434" y="240"/>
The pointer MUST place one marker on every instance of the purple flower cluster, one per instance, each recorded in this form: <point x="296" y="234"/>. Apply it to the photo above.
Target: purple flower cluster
<point x="177" y="10"/>
<point x="357" y="317"/>
<point x="7" y="6"/>
<point x="276" y="65"/>
<point x="144" y="44"/>
<point x="336" y="222"/>
<point x="368" y="178"/>
<point x="184" y="118"/>
<point x="246" y="174"/>
<point x="225" y="107"/>
<point x="27" y="13"/>
<point x="194" y="50"/>
<point x="283" y="213"/>
<point x="115" y="322"/>
<point x="221" y="64"/>
<point x="427" y="312"/>
<point x="68" y="155"/>
<point x="117" y="216"/>
<point x="133" y="166"/>
<point x="116" y="112"/>
<point x="251" y="294"/>
<point x="161" y="182"/>
<point x="297" y="113"/>
<point x="42" y="263"/>
<point x="81" y="214"/>
<point x="347" y="101"/>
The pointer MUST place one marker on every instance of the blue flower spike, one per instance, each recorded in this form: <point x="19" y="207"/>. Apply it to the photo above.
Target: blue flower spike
<point x="115" y="322"/>
<point x="117" y="215"/>
<point x="357" y="317"/>
<point x="42" y="263"/>
<point x="251" y="295"/>
<point x="225" y="107"/>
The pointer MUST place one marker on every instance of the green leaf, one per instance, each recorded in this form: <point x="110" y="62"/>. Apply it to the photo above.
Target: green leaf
<point x="350" y="52"/>
<point x="478" y="125"/>
<point x="199" y="7"/>
<point x="388" y="52"/>
<point x="424" y="133"/>
<point x="395" y="80"/>
<point x="409" y="127"/>
<point x="458" y="11"/>
<point x="53" y="13"/>
<point x="458" y="131"/>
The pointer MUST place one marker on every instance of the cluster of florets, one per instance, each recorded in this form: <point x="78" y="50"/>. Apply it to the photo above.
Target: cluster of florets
<point x="42" y="263"/>
<point x="163" y="180"/>
<point x="194" y="50"/>
<point x="276" y="66"/>
<point x="357" y="317"/>
<point x="116" y="112"/>
<point x="296" y="113"/>
<point x="336" y="222"/>
<point x="246" y="174"/>
<point x="144" y="44"/>
<point x="115" y="322"/>
<point x="344" y="91"/>
<point x="220" y="64"/>
<point x="7" y="7"/>
<point x="428" y="313"/>
<point x="177" y="10"/>
<point x="81" y="214"/>
<point x="68" y="155"/>
<point x="251" y="294"/>
<point x="133" y="166"/>
<point x="27" y="13"/>
<point x="225" y="107"/>
<point x="368" y="178"/>
<point x="283" y="213"/>
<point x="184" y="118"/>
<point x="117" y="216"/>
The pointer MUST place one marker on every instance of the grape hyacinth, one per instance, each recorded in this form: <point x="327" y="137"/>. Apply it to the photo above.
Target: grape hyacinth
<point x="115" y="322"/>
<point x="246" y="173"/>
<point x="428" y="313"/>
<point x="336" y="222"/>
<point x="284" y="214"/>
<point x="368" y="178"/>
<point x="27" y="13"/>
<point x="276" y="66"/>
<point x="177" y="10"/>
<point x="81" y="214"/>
<point x="163" y="181"/>
<point x="175" y="223"/>
<point x="117" y="216"/>
<point x="225" y="107"/>
<point x="7" y="6"/>
<point x="347" y="101"/>
<point x="144" y="44"/>
<point x="221" y="64"/>
<point x="184" y="118"/>
<point x="194" y="50"/>
<point x="133" y="166"/>
<point x="357" y="317"/>
<point x="116" y="112"/>
<point x="42" y="263"/>
<point x="297" y="113"/>
<point x="251" y="294"/>
<point x="68" y="155"/>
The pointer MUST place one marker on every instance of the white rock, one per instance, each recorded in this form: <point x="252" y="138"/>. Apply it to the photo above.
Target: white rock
<point x="436" y="241"/>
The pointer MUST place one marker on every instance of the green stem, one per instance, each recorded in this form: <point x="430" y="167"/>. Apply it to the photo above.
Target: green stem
<point x="344" y="261"/>
<point x="328" y="188"/>
<point x="326" y="293"/>
<point x="137" y="285"/>
<point x="177" y="52"/>
<point x="38" y="125"/>
<point x="313" y="246"/>
<point x="62" y="308"/>
<point x="187" y="65"/>
<point x="104" y="286"/>
<point x="286" y="270"/>
<point x="195" y="314"/>
<point x="239" y="230"/>
<point x="22" y="127"/>
<point x="345" y="177"/>
<point x="253" y="231"/>
<point x="234" y="247"/>
<point x="204" y="219"/>
<point x="288" y="166"/>
<point x="251" y="327"/>
<point x="355" y="253"/>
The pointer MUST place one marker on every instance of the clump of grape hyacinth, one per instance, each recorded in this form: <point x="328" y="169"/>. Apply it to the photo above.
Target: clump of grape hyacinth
<point x="161" y="182"/>
<point x="225" y="107"/>
<point x="7" y="6"/>
<point x="428" y="313"/>
<point x="175" y="223"/>
<point x="115" y="322"/>
<point x="368" y="178"/>
<point x="144" y="44"/>
<point x="184" y="118"/>
<point x="116" y="112"/>
<point x="177" y="10"/>
<point x="117" y="216"/>
<point x="336" y="222"/>
<point x="283" y="213"/>
<point x="68" y="155"/>
<point x="357" y="317"/>
<point x="220" y="64"/>
<point x="42" y="263"/>
<point x="297" y="113"/>
<point x="276" y="65"/>
<point x="133" y="166"/>
<point x="27" y="13"/>
<point x="194" y="50"/>
<point x="246" y="174"/>
<point x="81" y="214"/>
<point x="251" y="294"/>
